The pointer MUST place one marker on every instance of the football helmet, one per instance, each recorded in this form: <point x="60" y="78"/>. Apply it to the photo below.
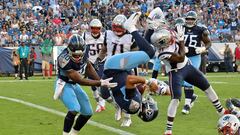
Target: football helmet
<point x="179" y="21"/>
<point x="161" y="38"/>
<point x="76" y="47"/>
<point x="191" y="19"/>
<point x="228" y="124"/>
<point x="117" y="25"/>
<point x="95" y="27"/>
<point x="149" y="109"/>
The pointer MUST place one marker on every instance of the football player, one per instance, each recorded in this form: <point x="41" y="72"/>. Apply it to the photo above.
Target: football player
<point x="126" y="95"/>
<point x="229" y="124"/>
<point x="170" y="45"/>
<point x="72" y="66"/>
<point x="116" y="41"/>
<point x="94" y="40"/>
<point x="193" y="38"/>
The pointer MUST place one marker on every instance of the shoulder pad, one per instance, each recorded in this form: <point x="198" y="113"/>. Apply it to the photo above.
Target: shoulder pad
<point x="63" y="60"/>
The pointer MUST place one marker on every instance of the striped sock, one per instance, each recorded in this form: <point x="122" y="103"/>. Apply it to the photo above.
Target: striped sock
<point x="169" y="125"/>
<point x="218" y="106"/>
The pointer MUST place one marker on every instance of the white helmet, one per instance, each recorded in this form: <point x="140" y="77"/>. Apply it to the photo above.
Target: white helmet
<point x="228" y="124"/>
<point x="161" y="38"/>
<point x="117" y="25"/>
<point x="95" y="27"/>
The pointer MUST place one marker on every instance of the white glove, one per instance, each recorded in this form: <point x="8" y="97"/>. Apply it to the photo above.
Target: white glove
<point x="131" y="23"/>
<point x="155" y="19"/>
<point x="200" y="50"/>
<point x="106" y="83"/>
<point x="186" y="49"/>
<point x="180" y="32"/>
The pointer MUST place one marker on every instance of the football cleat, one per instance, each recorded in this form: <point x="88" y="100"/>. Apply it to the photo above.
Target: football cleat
<point x="118" y="113"/>
<point x="100" y="108"/>
<point x="126" y="122"/>
<point x="168" y="132"/>
<point x="186" y="109"/>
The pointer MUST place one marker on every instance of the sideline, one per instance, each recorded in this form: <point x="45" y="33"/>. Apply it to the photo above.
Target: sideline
<point x="93" y="123"/>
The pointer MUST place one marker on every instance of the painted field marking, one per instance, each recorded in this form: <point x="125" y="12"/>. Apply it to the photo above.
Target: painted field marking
<point x="93" y="123"/>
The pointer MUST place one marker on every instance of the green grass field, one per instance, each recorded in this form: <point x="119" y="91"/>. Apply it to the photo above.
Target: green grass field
<point x="20" y="119"/>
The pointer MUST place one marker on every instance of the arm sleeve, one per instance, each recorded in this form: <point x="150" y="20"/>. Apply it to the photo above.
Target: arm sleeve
<point x="148" y="35"/>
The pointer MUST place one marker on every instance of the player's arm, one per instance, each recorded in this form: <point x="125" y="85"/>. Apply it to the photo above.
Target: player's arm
<point x="178" y="57"/>
<point x="76" y="77"/>
<point x="132" y="80"/>
<point x="206" y="40"/>
<point x="91" y="72"/>
<point x="103" y="51"/>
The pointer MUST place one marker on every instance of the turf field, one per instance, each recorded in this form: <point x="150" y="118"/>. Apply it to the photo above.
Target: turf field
<point x="27" y="108"/>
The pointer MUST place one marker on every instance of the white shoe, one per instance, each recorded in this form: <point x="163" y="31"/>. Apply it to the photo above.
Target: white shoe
<point x="100" y="108"/>
<point x="126" y="122"/>
<point x="118" y="113"/>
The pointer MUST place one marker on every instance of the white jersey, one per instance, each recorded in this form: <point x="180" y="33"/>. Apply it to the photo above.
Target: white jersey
<point x="165" y="54"/>
<point x="116" y="45"/>
<point x="95" y="45"/>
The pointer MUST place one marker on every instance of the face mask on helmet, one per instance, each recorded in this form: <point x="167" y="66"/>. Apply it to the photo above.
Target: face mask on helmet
<point x="149" y="110"/>
<point x="161" y="38"/>
<point x="95" y="27"/>
<point x="117" y="25"/>
<point x="228" y="125"/>
<point x="76" y="48"/>
<point x="191" y="19"/>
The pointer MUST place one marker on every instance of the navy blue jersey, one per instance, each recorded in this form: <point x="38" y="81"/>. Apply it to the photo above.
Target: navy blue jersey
<point x="193" y="38"/>
<point x="65" y="63"/>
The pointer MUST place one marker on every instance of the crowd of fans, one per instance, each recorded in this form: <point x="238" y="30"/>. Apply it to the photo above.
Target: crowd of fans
<point x="34" y="20"/>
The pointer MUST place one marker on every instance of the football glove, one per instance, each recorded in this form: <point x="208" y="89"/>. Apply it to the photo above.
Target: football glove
<point x="180" y="33"/>
<point x="131" y="23"/>
<point x="200" y="50"/>
<point x="186" y="49"/>
<point x="155" y="19"/>
<point x="106" y="83"/>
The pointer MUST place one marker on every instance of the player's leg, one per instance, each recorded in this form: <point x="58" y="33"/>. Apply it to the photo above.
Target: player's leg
<point x="96" y="90"/>
<point x="156" y="67"/>
<point x="190" y="97"/>
<point x="126" y="61"/>
<point x="175" y="80"/>
<point x="85" y="110"/>
<point x="202" y="83"/>
<point x="69" y="99"/>
<point x="105" y="93"/>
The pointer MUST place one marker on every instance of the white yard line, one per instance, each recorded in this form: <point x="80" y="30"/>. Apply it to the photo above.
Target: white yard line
<point x="20" y="81"/>
<point x="93" y="123"/>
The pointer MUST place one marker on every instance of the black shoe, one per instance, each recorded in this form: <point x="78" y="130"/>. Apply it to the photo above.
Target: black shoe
<point x="20" y="79"/>
<point x="186" y="109"/>
<point x="193" y="99"/>
<point x="26" y="78"/>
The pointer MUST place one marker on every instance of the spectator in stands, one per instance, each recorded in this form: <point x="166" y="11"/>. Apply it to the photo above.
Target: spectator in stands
<point x="237" y="36"/>
<point x="33" y="57"/>
<point x="228" y="59"/>
<point x="46" y="51"/>
<point x="23" y="54"/>
<point x="15" y="61"/>
<point x="24" y="37"/>
<point x="237" y="56"/>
